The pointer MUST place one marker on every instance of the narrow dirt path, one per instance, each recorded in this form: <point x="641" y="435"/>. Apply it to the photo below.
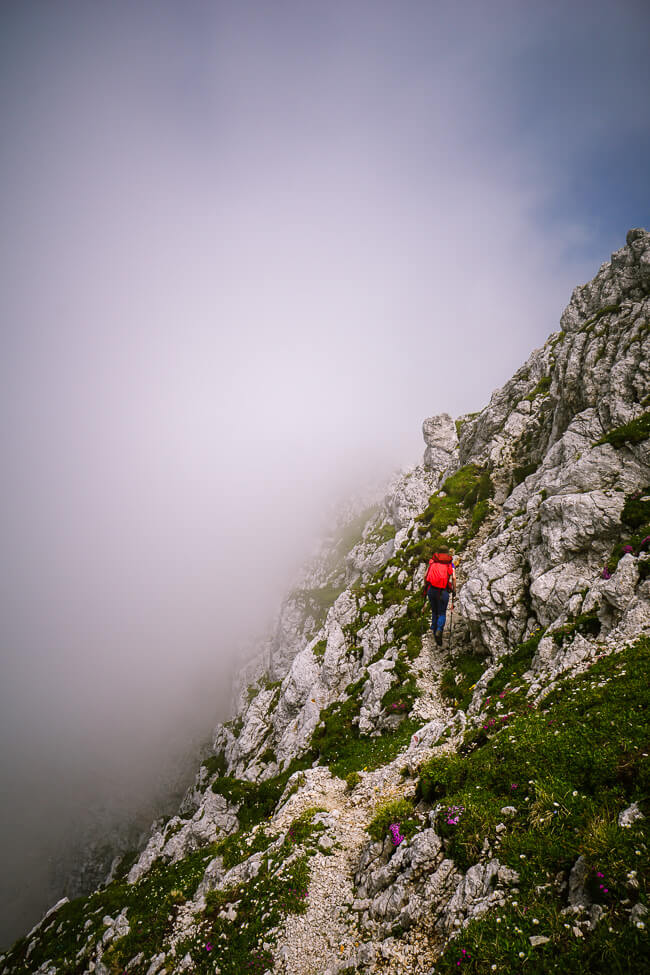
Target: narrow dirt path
<point x="310" y="943"/>
<point x="428" y="668"/>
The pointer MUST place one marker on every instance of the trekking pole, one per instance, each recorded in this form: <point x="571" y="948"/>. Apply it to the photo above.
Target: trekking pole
<point x="451" y="619"/>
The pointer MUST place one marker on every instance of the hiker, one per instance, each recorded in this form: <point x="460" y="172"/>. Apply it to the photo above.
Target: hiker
<point x="439" y="582"/>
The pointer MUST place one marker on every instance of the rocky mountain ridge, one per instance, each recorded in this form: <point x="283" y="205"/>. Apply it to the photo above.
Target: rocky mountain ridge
<point x="381" y="804"/>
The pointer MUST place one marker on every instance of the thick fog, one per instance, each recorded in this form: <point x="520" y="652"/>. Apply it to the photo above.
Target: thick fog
<point x="245" y="249"/>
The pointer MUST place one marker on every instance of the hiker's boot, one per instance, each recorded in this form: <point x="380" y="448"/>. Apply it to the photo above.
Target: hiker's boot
<point x="438" y="635"/>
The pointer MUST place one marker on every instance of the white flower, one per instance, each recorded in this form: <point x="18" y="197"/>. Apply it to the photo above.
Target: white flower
<point x="498" y="920"/>
<point x="494" y="968"/>
<point x="640" y="925"/>
<point x="575" y="792"/>
<point x="522" y="856"/>
<point x="535" y="921"/>
<point x="514" y="903"/>
<point x="521" y="954"/>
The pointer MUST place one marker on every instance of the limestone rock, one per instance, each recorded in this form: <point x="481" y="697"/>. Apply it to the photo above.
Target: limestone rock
<point x="442" y="441"/>
<point x="578" y="896"/>
<point x="630" y="815"/>
<point x="380" y="679"/>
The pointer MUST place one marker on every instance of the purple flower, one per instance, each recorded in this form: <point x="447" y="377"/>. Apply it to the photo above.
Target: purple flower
<point x="397" y="836"/>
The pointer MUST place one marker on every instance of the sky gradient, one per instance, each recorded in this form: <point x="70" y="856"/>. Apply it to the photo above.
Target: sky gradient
<point x="246" y="248"/>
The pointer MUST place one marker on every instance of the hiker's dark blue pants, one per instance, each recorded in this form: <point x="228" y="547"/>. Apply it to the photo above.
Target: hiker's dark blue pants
<point x="438" y="600"/>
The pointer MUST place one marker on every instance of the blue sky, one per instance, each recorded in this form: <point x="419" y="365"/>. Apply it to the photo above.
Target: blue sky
<point x="246" y="249"/>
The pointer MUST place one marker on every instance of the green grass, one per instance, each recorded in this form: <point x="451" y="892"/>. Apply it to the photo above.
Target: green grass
<point x="515" y="664"/>
<point x="215" y="764"/>
<point x="587" y="624"/>
<point x="457" y="683"/>
<point x="541" y="389"/>
<point x="525" y="470"/>
<point x="381" y="535"/>
<point x="500" y="942"/>
<point x="352" y="780"/>
<point x="279" y="889"/>
<point x="629" y="433"/>
<point x="353" y="752"/>
<point x="235" y="848"/>
<point x="152" y="908"/>
<point x="479" y="514"/>
<point x="257" y="800"/>
<point x="439" y="514"/>
<point x="468" y="489"/>
<point x="635" y="526"/>
<point x="568" y="769"/>
<point x="391" y="811"/>
<point x="319" y="650"/>
<point x="400" y="698"/>
<point x="337" y="727"/>
<point x="469" y="485"/>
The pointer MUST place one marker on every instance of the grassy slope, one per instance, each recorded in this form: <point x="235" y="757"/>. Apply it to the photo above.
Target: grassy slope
<point x="569" y="767"/>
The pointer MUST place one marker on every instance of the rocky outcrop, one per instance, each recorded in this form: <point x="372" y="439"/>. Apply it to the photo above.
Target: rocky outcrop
<point x="441" y="439"/>
<point x="561" y="521"/>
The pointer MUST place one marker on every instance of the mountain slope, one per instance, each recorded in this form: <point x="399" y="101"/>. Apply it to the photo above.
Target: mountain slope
<point x="513" y="760"/>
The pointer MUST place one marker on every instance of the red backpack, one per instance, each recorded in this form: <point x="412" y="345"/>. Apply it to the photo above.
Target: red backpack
<point x="440" y="570"/>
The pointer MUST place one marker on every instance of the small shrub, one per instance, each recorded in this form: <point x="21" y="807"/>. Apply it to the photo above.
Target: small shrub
<point x="541" y="389"/>
<point x="440" y="776"/>
<point x="629" y="433"/>
<point x="457" y="684"/>
<point x="515" y="664"/>
<point x="319" y="650"/>
<point x="352" y="780"/>
<point x="521" y="473"/>
<point x="586" y="624"/>
<point x="215" y="764"/>
<point x="389" y="812"/>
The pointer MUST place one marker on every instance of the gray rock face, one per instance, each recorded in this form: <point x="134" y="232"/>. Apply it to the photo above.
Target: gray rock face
<point x="442" y="441"/>
<point x="625" y="278"/>
<point x="562" y="521"/>
<point x="479" y="890"/>
<point x="215" y="818"/>
<point x="418" y="880"/>
<point x="380" y="680"/>
<point x="391" y="889"/>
